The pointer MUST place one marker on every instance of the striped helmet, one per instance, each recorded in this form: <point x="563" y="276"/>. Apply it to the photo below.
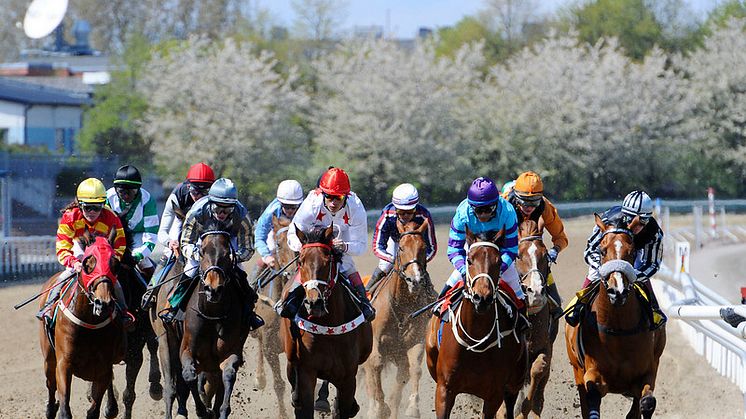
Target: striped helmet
<point x="638" y="203"/>
<point x="405" y="196"/>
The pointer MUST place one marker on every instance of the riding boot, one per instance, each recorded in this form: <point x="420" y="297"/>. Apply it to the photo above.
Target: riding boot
<point x="555" y="303"/>
<point x="54" y="295"/>
<point x="255" y="320"/>
<point x="443" y="292"/>
<point x="290" y="306"/>
<point x="659" y="317"/>
<point x="374" y="278"/>
<point x="576" y="312"/>
<point x="128" y="319"/>
<point x="176" y="301"/>
<point x="367" y="308"/>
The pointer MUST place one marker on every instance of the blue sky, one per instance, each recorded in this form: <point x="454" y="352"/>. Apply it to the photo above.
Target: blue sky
<point x="406" y="16"/>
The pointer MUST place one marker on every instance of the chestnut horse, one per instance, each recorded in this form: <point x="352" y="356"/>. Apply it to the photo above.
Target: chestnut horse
<point x="613" y="350"/>
<point x="216" y="322"/>
<point x="478" y="352"/>
<point x="397" y="338"/>
<point x="331" y="338"/>
<point x="532" y="265"/>
<point x="268" y="335"/>
<point x="88" y="334"/>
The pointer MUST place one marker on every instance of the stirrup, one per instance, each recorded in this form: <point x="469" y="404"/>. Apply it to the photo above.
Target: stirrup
<point x="168" y="315"/>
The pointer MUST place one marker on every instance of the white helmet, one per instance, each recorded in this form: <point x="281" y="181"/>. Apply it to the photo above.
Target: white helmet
<point x="405" y="196"/>
<point x="638" y="203"/>
<point x="290" y="192"/>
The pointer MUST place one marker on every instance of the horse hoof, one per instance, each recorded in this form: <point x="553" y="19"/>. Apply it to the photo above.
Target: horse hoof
<point x="647" y="406"/>
<point x="322" y="406"/>
<point x="189" y="373"/>
<point x="260" y="382"/>
<point x="156" y="391"/>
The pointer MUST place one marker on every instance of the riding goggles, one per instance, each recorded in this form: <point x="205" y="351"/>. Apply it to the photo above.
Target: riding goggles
<point x="222" y="210"/>
<point x="91" y="207"/>
<point x="120" y="190"/>
<point x="643" y="220"/>
<point x="290" y="207"/>
<point x="485" y="209"/>
<point x="532" y="201"/>
<point x="406" y="212"/>
<point x="199" y="189"/>
<point x="334" y="197"/>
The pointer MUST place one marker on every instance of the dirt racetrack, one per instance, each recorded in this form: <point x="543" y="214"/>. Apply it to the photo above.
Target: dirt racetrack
<point x="686" y="387"/>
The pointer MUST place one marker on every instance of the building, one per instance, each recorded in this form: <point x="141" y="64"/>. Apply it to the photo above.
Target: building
<point x="41" y="116"/>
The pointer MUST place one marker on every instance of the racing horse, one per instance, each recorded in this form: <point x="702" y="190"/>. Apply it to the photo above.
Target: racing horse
<point x="532" y="265"/>
<point x="612" y="349"/>
<point x="478" y="351"/>
<point x="398" y="338"/>
<point x="270" y="346"/>
<point x="331" y="339"/>
<point x="216" y="323"/>
<point x="88" y="336"/>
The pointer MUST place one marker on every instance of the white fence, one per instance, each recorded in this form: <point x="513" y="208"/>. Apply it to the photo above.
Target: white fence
<point x="27" y="257"/>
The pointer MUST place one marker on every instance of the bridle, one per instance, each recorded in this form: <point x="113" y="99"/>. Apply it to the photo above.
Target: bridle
<point x="287" y="274"/>
<point x="471" y="280"/>
<point x="331" y="280"/>
<point x="617" y="230"/>
<point x="534" y="270"/>
<point x="218" y="269"/>
<point x="401" y="269"/>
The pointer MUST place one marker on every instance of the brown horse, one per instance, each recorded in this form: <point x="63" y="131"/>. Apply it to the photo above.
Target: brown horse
<point x="169" y="345"/>
<point x="88" y="334"/>
<point x="332" y="338"/>
<point x="532" y="265"/>
<point x="270" y="345"/>
<point x="479" y="351"/>
<point x="216" y="323"/>
<point x="613" y="350"/>
<point x="397" y="338"/>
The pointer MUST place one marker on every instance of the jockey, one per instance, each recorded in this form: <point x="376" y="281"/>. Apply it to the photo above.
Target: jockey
<point x="529" y="202"/>
<point x="220" y="208"/>
<point x="199" y="178"/>
<point x="648" y="241"/>
<point x="484" y="210"/>
<point x="134" y="205"/>
<point x="87" y="213"/>
<point x="405" y="207"/>
<point x="289" y="197"/>
<point x="331" y="203"/>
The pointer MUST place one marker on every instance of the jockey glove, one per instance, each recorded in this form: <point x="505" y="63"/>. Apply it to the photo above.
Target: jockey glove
<point x="553" y="253"/>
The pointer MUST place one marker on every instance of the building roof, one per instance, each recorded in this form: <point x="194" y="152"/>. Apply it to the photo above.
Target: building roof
<point x="34" y="94"/>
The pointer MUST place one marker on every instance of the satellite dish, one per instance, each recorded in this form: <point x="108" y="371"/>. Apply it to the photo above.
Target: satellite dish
<point x="43" y="16"/>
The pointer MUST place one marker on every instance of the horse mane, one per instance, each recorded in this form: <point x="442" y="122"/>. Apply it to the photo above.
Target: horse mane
<point x="489" y="236"/>
<point x="214" y="225"/>
<point x="530" y="228"/>
<point x="316" y="235"/>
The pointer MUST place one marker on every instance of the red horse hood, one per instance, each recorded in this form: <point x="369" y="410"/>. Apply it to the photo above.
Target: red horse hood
<point x="102" y="251"/>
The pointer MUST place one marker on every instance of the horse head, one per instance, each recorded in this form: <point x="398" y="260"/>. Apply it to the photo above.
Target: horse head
<point x="283" y="253"/>
<point x="483" y="268"/>
<point x="411" y="258"/>
<point x="532" y="264"/>
<point x="318" y="268"/>
<point x="216" y="264"/>
<point x="97" y="276"/>
<point x="617" y="256"/>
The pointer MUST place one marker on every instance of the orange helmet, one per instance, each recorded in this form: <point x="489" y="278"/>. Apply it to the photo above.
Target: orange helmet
<point x="528" y="184"/>
<point x="335" y="182"/>
<point x="200" y="173"/>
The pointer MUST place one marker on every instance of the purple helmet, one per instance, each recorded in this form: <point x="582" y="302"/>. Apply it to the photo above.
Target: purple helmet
<point x="482" y="191"/>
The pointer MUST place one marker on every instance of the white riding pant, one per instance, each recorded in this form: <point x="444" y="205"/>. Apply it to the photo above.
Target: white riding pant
<point x="391" y="248"/>
<point x="510" y="276"/>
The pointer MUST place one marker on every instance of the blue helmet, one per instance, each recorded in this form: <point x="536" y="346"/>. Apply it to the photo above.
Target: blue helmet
<point x="223" y="191"/>
<point x="482" y="191"/>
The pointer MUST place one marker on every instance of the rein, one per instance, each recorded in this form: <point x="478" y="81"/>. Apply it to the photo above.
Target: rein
<point x="220" y="271"/>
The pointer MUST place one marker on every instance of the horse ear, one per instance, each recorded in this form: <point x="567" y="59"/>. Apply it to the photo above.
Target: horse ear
<point x="301" y="235"/>
<point x="423" y="227"/>
<point x="599" y="222"/>
<point x="329" y="233"/>
<point x="112" y="236"/>
<point x="275" y="222"/>
<point x="470" y="237"/>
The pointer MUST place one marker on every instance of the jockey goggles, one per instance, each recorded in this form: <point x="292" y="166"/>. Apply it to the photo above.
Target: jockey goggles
<point x="197" y="188"/>
<point x="126" y="191"/>
<point x="643" y="220"/>
<point x="91" y="207"/>
<point x="485" y="209"/>
<point x="222" y="210"/>
<point x="406" y="212"/>
<point x="290" y="207"/>
<point x="334" y="197"/>
<point x="532" y="201"/>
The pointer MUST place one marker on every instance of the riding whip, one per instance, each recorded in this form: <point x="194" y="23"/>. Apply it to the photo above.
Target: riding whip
<point x="19" y="305"/>
<point x="264" y="282"/>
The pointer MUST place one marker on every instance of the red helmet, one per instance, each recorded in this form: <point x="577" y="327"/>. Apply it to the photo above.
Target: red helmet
<point x="200" y="173"/>
<point x="335" y="182"/>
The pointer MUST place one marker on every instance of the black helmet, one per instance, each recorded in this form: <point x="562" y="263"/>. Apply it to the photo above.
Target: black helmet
<point x="128" y="177"/>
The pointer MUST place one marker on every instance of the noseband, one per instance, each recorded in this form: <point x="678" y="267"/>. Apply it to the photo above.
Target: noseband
<point x="532" y="270"/>
<point x="221" y="271"/>
<point x="402" y="270"/>
<point x="315" y="284"/>
<point x="471" y="280"/>
<point x="617" y="265"/>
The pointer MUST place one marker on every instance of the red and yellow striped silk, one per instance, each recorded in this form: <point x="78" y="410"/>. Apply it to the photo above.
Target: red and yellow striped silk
<point x="73" y="225"/>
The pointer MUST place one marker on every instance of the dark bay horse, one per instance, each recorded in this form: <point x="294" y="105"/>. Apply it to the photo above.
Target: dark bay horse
<point x="216" y="323"/>
<point x="331" y="338"/>
<point x="478" y="352"/>
<point x="88" y="334"/>
<point x="270" y="345"/>
<point x="613" y="350"/>
<point x="139" y="335"/>
<point x="532" y="265"/>
<point x="398" y="338"/>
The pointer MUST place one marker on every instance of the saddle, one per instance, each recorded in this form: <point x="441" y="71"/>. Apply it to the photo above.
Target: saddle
<point x="454" y="296"/>
<point x="585" y="297"/>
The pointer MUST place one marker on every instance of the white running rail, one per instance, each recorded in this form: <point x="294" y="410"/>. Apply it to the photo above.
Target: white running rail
<point x="27" y="257"/>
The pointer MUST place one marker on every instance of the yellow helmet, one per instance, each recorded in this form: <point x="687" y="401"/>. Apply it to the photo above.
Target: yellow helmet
<point x="529" y="184"/>
<point x="91" y="191"/>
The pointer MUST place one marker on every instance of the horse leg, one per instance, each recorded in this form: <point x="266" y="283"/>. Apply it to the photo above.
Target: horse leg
<point x="489" y="409"/>
<point x="347" y="406"/>
<point x="593" y="399"/>
<point x="50" y="366"/>
<point x="112" y="407"/>
<point x="230" y="368"/>
<point x="634" y="410"/>
<point x="509" y="399"/>
<point x="64" y="379"/>
<point x="373" y="368"/>
<point x="444" y="400"/>
<point x="322" y="401"/>
<point x="279" y="383"/>
<point x="98" y="388"/>
<point x="414" y="356"/>
<point x="304" y="383"/>
<point x="647" y="402"/>
<point x="402" y="376"/>
<point x="154" y="374"/>
<point x="539" y="376"/>
<point x="260" y="381"/>
<point x="170" y="372"/>
<point x="133" y="365"/>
